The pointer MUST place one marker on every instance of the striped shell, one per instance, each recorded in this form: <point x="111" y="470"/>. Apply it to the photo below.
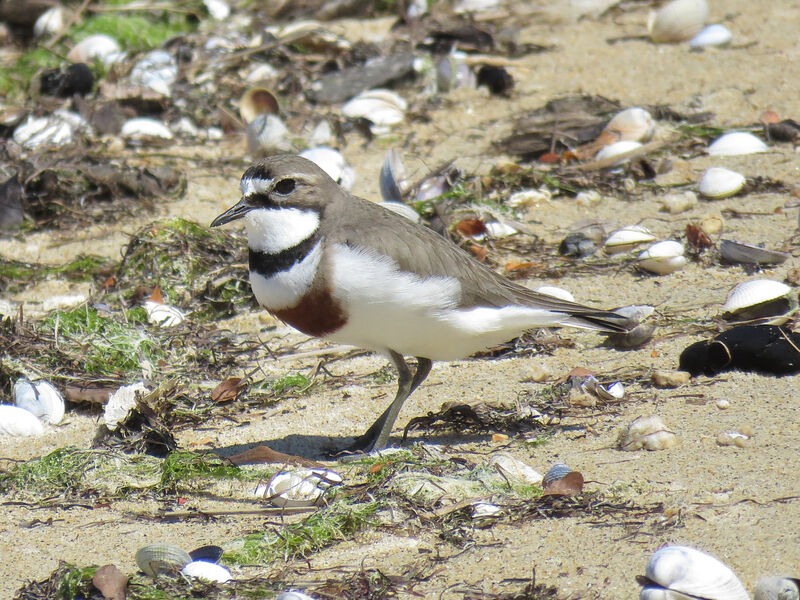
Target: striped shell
<point x="155" y="559"/>
<point x="753" y="293"/>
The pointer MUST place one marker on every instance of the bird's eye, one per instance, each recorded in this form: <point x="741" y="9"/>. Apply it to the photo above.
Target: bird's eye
<point x="285" y="186"/>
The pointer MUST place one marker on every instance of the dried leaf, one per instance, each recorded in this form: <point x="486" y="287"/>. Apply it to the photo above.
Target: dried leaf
<point x="470" y="227"/>
<point x="227" y="390"/>
<point x="111" y="582"/>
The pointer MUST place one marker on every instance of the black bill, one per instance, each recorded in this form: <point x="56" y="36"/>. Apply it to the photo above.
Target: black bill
<point x="237" y="211"/>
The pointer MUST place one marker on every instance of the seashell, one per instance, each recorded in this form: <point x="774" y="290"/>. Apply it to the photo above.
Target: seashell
<point x="737" y="252"/>
<point x="304" y="487"/>
<point x="18" y="422"/>
<point x="719" y="182"/>
<point x="267" y="134"/>
<point x="156" y="71"/>
<point x="663" y="258"/>
<point x="257" y="101"/>
<point x="777" y="588"/>
<point x="639" y="334"/>
<point x="677" y="21"/>
<point x="736" y="143"/>
<point x="322" y="135"/>
<point x="40" y="398"/>
<point x="206" y="553"/>
<point x="333" y="163"/>
<point x="713" y="35"/>
<point x="63" y="301"/>
<point x="616" y="149"/>
<point x="155" y="559"/>
<point x="529" y="198"/>
<point x="557" y="471"/>
<point x="678" y="203"/>
<point x="96" y="47"/>
<point x="49" y="22"/>
<point x="734" y="438"/>
<point x="649" y="433"/>
<point x="627" y="238"/>
<point x="57" y="129"/>
<point x="484" y="513"/>
<point x="293" y="595"/>
<point x="218" y="9"/>
<point x="632" y="124"/>
<point x="163" y="315"/>
<point x="688" y="571"/>
<point x="144" y="128"/>
<point x="402" y="209"/>
<point x="122" y="402"/>
<point x="207" y="571"/>
<point x="515" y="470"/>
<point x="383" y="108"/>
<point x="615" y="391"/>
<point x="663" y="378"/>
<point x="555" y="292"/>
<point x="495" y="229"/>
<point x="762" y="299"/>
<point x="392" y="177"/>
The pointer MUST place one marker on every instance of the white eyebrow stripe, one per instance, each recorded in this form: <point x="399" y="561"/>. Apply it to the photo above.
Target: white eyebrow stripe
<point x="250" y="186"/>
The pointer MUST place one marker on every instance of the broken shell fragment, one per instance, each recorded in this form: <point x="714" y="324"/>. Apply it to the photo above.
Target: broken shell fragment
<point x="333" y="163"/>
<point x="144" y="129"/>
<point x="560" y="480"/>
<point x="676" y="572"/>
<point x="663" y="258"/>
<point x="719" y="182"/>
<point x="156" y="71"/>
<point x="40" y="398"/>
<point x="734" y="438"/>
<point x="207" y="571"/>
<point x="677" y="21"/>
<point x="56" y="129"/>
<point x="713" y="35"/>
<point x="484" y="513"/>
<point x="554" y="473"/>
<point x="765" y="300"/>
<point x="736" y="143"/>
<point x="18" y="422"/>
<point x="257" y="101"/>
<point x="627" y="238"/>
<point x="515" y="470"/>
<point x="163" y="315"/>
<point x="122" y="402"/>
<point x="777" y="588"/>
<point x="649" y="433"/>
<point x="738" y="252"/>
<point x="383" y="108"/>
<point x="303" y="487"/>
<point x="632" y="124"/>
<point x="155" y="559"/>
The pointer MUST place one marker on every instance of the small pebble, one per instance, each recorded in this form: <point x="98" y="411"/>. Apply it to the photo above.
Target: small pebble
<point x="670" y="379"/>
<point x="723" y="404"/>
<point x="678" y="203"/>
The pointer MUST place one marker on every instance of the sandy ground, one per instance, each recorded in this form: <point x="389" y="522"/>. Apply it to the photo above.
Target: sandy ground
<point x="726" y="500"/>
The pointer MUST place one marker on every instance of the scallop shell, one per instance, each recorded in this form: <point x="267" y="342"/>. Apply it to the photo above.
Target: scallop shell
<point x="689" y="571"/>
<point x="155" y="559"/>
<point x="616" y="149"/>
<point x="719" y="182"/>
<point x="736" y="143"/>
<point x="382" y="108"/>
<point x="257" y="101"/>
<point x="163" y="315"/>
<point x="737" y="252"/>
<point x="555" y="292"/>
<point x="677" y="21"/>
<point x="18" y="422"/>
<point x="207" y="571"/>
<point x="777" y="588"/>
<point x="759" y="299"/>
<point x="96" y="47"/>
<point x="663" y="258"/>
<point x="632" y="124"/>
<point x="333" y="163"/>
<point x="40" y="398"/>
<point x="713" y="35"/>
<point x="627" y="238"/>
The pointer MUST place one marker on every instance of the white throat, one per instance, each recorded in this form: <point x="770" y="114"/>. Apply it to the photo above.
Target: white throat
<point x="273" y="230"/>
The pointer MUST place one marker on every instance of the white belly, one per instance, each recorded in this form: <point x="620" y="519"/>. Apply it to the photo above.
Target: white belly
<point x="388" y="308"/>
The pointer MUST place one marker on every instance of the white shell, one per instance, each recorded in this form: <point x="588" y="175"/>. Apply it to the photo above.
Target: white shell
<point x="632" y="124"/>
<point x="303" y="487"/>
<point x="121" y="402"/>
<point x="155" y="559"/>
<point x="555" y="292"/>
<point x="333" y="163"/>
<point x="719" y="182"/>
<point x="383" y="108"/>
<point x="777" y="588"/>
<point x="736" y="143"/>
<point x="57" y="129"/>
<point x="207" y="571"/>
<point x="49" y="22"/>
<point x="515" y="470"/>
<point x="751" y="293"/>
<point x="19" y="422"/>
<point x="483" y="510"/>
<point x="713" y="35"/>
<point x="627" y="238"/>
<point x="267" y="133"/>
<point x="677" y="21"/>
<point x="663" y="257"/>
<point x="294" y="595"/>
<point x="218" y="9"/>
<point x="616" y="149"/>
<point x="96" y="47"/>
<point x="649" y="433"/>
<point x="157" y="71"/>
<point x="142" y="128"/>
<point x="40" y="398"/>
<point x="496" y="229"/>
<point x="402" y="209"/>
<point x="163" y="315"/>
<point x="689" y="571"/>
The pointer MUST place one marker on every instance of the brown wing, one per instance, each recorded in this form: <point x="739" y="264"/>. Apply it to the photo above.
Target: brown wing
<point x="399" y="238"/>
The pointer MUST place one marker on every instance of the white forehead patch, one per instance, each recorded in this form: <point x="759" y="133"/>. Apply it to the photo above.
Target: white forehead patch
<point x="250" y="186"/>
<point x="273" y="230"/>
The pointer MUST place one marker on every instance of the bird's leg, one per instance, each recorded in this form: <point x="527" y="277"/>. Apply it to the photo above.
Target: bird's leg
<point x="377" y="435"/>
